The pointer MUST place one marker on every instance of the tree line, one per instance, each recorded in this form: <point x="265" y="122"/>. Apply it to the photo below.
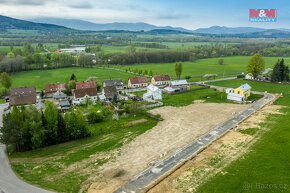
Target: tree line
<point x="26" y="128"/>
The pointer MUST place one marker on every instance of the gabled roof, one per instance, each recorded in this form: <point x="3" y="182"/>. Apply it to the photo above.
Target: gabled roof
<point x="54" y="87"/>
<point x="22" y="96"/>
<point x="80" y="93"/>
<point x="59" y="94"/>
<point x="245" y="87"/>
<point x="110" y="91"/>
<point x="162" y="77"/>
<point x="88" y="84"/>
<point x="64" y="103"/>
<point x="113" y="82"/>
<point x="151" y="87"/>
<point x="138" y="80"/>
<point x="178" y="82"/>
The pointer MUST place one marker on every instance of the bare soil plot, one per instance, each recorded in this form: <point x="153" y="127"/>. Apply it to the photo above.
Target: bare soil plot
<point x="180" y="126"/>
<point x="217" y="156"/>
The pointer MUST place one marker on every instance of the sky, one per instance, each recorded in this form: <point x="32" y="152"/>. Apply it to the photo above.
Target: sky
<point x="190" y="14"/>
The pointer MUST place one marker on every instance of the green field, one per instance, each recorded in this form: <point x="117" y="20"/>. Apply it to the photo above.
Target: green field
<point x="262" y="87"/>
<point x="208" y="95"/>
<point x="265" y="168"/>
<point x="67" y="167"/>
<point x="233" y="64"/>
<point x="113" y="49"/>
<point x="39" y="78"/>
<point x="186" y="45"/>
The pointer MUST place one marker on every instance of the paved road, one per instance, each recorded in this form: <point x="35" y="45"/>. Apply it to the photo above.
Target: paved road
<point x="9" y="182"/>
<point x="207" y="81"/>
<point x="161" y="168"/>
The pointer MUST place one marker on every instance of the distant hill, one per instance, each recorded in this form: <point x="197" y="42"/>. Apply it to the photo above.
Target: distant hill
<point x="228" y="30"/>
<point x="85" y="25"/>
<point x="7" y="24"/>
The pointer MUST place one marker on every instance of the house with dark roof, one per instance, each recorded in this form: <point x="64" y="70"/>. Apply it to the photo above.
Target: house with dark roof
<point x="160" y="80"/>
<point x="81" y="94"/>
<point x="63" y="105"/>
<point x="59" y="96"/>
<point x="137" y="82"/>
<point x="109" y="92"/>
<point x="50" y="89"/>
<point x="22" y="96"/>
<point x="118" y="83"/>
<point x="87" y="84"/>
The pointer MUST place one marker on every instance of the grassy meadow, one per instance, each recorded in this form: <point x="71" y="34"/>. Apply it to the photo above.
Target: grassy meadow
<point x="208" y="95"/>
<point x="39" y="78"/>
<point x="233" y="64"/>
<point x="71" y="166"/>
<point x="262" y="87"/>
<point x="264" y="168"/>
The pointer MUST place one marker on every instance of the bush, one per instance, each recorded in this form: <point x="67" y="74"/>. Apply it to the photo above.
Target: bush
<point x="187" y="77"/>
<point x="240" y="76"/>
<point x="94" y="117"/>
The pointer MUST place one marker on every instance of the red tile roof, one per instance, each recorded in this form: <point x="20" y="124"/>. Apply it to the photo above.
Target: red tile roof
<point x="88" y="84"/>
<point x="162" y="77"/>
<point x="51" y="88"/>
<point x="138" y="80"/>
<point x="22" y="96"/>
<point x="79" y="93"/>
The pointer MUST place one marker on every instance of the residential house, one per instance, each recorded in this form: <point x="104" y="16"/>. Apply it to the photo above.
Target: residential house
<point x="81" y="94"/>
<point x="50" y="89"/>
<point x="63" y="105"/>
<point x="87" y="84"/>
<point x="22" y="96"/>
<point x="239" y="94"/>
<point x="244" y="90"/>
<point x="160" y="80"/>
<point x="118" y="83"/>
<point x="153" y="93"/>
<point x="137" y="82"/>
<point x="110" y="92"/>
<point x="249" y="76"/>
<point x="59" y="96"/>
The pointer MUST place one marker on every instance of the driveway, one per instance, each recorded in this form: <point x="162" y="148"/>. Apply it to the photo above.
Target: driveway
<point x="9" y="182"/>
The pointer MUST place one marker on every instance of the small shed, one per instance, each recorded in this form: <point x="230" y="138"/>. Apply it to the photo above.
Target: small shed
<point x="229" y="90"/>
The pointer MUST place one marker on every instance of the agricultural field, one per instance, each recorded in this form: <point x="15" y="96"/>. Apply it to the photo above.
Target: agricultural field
<point x="113" y="49"/>
<point x="186" y="45"/>
<point x="39" y="78"/>
<point x="233" y="64"/>
<point x="71" y="166"/>
<point x="262" y="87"/>
<point x="264" y="167"/>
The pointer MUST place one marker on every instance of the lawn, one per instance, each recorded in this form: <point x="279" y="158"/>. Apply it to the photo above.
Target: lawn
<point x="261" y="86"/>
<point x="67" y="167"/>
<point x="39" y="78"/>
<point x="186" y="45"/>
<point x="113" y="49"/>
<point x="208" y="95"/>
<point x="233" y="64"/>
<point x="265" y="168"/>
